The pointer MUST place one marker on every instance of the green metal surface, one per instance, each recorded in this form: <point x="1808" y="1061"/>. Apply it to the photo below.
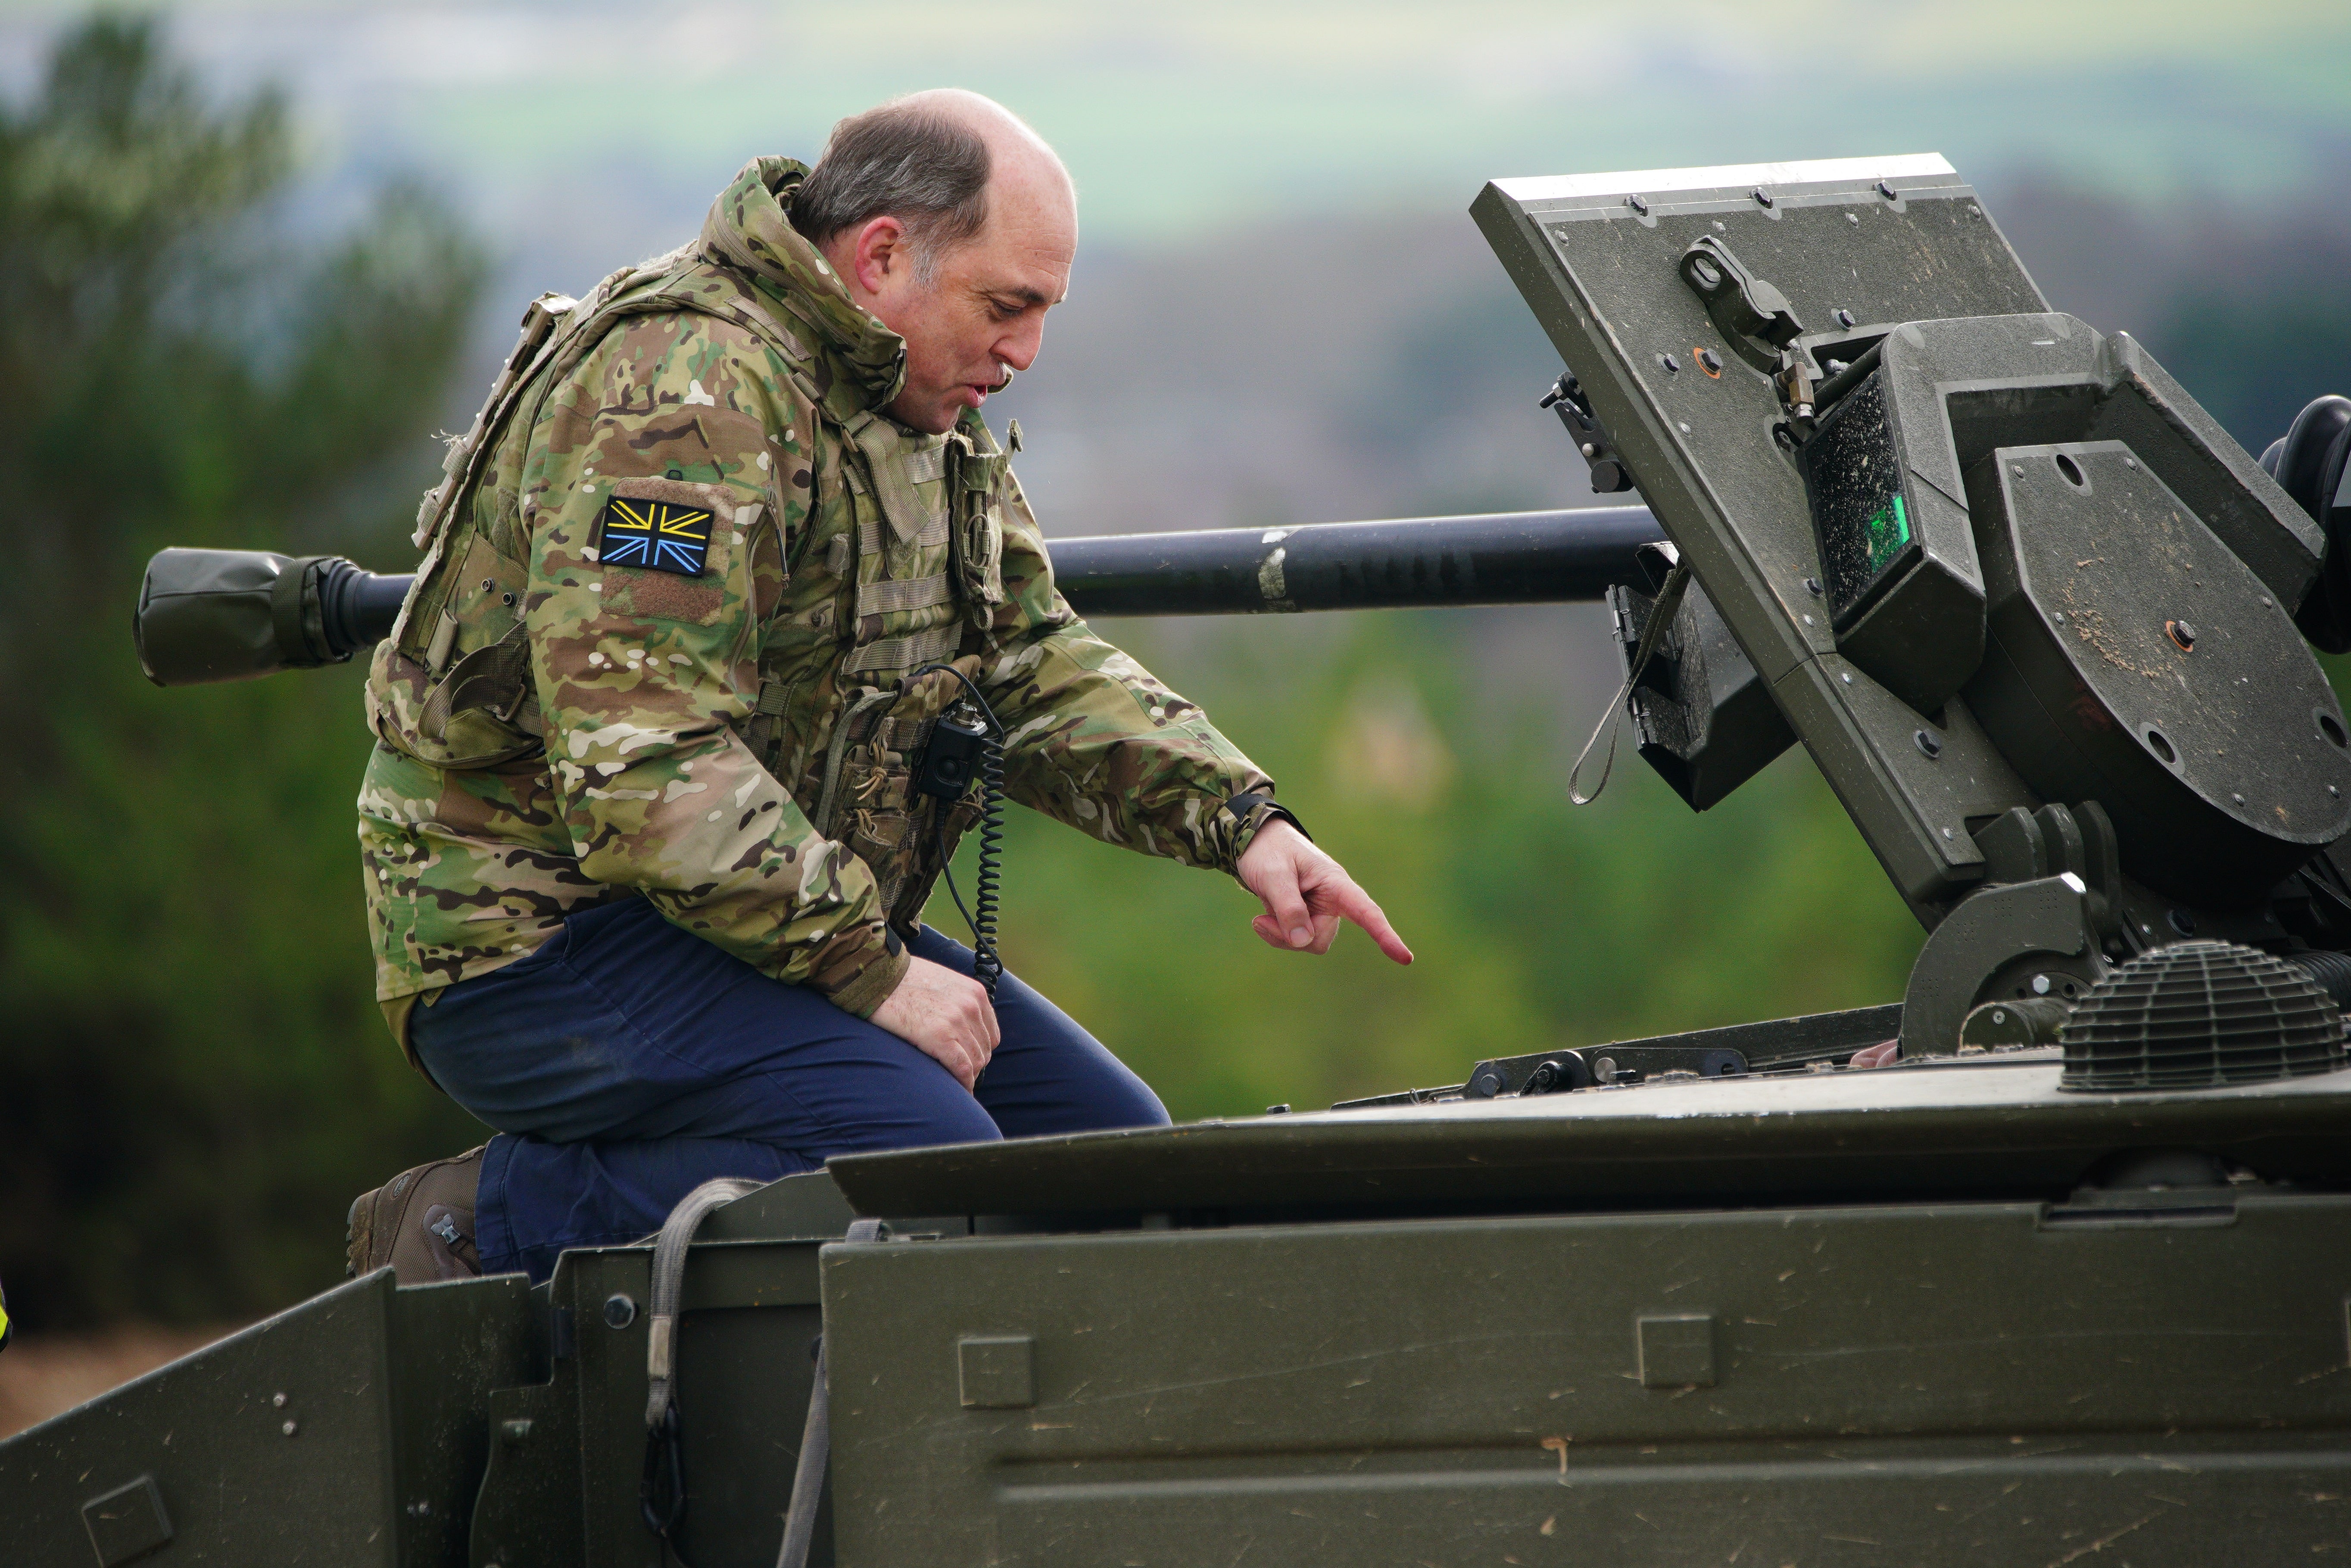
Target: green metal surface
<point x="1941" y="1312"/>
<point x="1991" y="1125"/>
<point x="1913" y="1384"/>
<point x="345" y="1430"/>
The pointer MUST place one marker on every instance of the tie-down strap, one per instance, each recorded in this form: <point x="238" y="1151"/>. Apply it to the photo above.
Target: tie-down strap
<point x="669" y="1283"/>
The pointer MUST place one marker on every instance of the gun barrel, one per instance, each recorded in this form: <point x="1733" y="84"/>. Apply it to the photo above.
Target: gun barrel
<point x="227" y="614"/>
<point x="1500" y="558"/>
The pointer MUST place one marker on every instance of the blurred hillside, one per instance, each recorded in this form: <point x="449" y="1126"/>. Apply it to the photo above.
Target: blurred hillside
<point x="232" y="317"/>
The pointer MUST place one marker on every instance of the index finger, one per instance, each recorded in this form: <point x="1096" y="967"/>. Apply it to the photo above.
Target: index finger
<point x="1357" y="905"/>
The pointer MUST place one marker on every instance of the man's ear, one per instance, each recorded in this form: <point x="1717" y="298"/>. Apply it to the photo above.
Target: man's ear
<point x="881" y="253"/>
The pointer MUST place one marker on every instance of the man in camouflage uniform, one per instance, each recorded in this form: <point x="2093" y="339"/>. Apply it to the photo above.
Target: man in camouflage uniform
<point x="645" y="871"/>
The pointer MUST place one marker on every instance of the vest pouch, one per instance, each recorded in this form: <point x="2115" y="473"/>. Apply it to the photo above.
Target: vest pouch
<point x="870" y="804"/>
<point x="899" y="835"/>
<point x="877" y="821"/>
<point x="486" y="710"/>
<point x="979" y="537"/>
<point x="962" y="818"/>
<point x="465" y="700"/>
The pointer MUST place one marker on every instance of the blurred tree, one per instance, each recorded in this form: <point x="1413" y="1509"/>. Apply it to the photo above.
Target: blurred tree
<point x="1436" y="778"/>
<point x="193" y="1080"/>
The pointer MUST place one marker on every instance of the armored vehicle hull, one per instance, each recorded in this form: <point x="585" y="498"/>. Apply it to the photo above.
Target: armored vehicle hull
<point x="1942" y="1312"/>
<point x="2047" y="1265"/>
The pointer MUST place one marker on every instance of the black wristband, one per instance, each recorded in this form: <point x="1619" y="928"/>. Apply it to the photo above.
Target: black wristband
<point x="1247" y="801"/>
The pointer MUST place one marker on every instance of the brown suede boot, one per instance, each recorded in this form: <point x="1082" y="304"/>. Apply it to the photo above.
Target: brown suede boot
<point x="421" y="1222"/>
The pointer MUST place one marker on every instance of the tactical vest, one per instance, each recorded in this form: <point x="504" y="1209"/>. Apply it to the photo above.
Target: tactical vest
<point x="914" y="573"/>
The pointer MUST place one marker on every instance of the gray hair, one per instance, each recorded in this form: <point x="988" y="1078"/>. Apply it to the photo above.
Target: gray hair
<point x="905" y="159"/>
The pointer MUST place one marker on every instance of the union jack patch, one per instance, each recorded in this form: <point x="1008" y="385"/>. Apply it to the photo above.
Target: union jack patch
<point x="661" y="534"/>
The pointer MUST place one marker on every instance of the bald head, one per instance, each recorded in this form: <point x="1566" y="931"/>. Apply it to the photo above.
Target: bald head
<point x="1012" y="146"/>
<point x="939" y="162"/>
<point x="952" y="224"/>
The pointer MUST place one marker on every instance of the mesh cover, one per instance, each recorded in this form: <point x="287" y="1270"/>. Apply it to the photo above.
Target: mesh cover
<point x="2197" y="1014"/>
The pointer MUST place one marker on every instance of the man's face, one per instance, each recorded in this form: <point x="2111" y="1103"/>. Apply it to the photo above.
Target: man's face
<point x="984" y="310"/>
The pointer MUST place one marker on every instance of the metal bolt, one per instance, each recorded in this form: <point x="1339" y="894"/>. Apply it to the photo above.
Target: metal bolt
<point x="2040" y="985"/>
<point x="1928" y="744"/>
<point x="1763" y="197"/>
<point x="1812" y="586"/>
<point x="487" y="585"/>
<point x="1281" y="1110"/>
<point x="2238" y="798"/>
<point x="1846" y="678"/>
<point x="506" y="599"/>
<point x="1853" y="220"/>
<point x="1590" y="449"/>
<point x="2182" y="634"/>
<point x="1711" y="360"/>
<point x="1637" y="204"/>
<point x="1669" y="362"/>
<point x="2332" y="791"/>
<point x="1844" y="318"/>
<point x="2265" y="601"/>
<point x="619" y="1310"/>
<point x="1947" y="833"/>
<point x="279" y="1400"/>
<point x="1808" y="621"/>
<point x="1886" y="189"/>
<point x="287" y="1428"/>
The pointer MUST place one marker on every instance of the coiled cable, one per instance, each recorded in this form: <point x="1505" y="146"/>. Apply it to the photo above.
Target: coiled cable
<point x="987" y="967"/>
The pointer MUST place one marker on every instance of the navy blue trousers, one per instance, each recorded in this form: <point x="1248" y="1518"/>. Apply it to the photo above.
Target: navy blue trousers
<point x="628" y="1061"/>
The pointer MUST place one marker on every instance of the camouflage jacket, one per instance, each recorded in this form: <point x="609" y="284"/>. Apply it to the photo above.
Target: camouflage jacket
<point x="681" y="581"/>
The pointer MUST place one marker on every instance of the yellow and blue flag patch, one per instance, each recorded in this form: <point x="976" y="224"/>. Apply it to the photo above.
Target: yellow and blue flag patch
<point x="659" y="535"/>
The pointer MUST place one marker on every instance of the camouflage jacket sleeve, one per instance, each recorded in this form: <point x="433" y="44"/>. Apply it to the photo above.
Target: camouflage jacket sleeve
<point x="670" y="430"/>
<point x="1095" y="741"/>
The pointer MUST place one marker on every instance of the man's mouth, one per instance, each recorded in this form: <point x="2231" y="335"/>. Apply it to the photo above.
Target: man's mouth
<point x="982" y="390"/>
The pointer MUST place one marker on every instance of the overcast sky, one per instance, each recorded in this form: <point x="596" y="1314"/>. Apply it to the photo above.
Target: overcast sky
<point x="620" y="120"/>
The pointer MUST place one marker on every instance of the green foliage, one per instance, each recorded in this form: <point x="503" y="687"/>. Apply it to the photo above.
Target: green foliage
<point x="194" y="1080"/>
<point x="1532" y="922"/>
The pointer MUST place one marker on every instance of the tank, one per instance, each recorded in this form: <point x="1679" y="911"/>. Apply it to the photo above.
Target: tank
<point x="2051" y="1283"/>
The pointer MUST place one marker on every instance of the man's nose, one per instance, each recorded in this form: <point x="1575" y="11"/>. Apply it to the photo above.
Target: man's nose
<point x="1019" y="349"/>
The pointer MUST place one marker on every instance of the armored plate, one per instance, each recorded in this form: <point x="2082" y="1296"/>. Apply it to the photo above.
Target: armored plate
<point x="1855" y="1384"/>
<point x="1849" y="241"/>
<point x="1990" y="1126"/>
<point x="2136" y="662"/>
<point x="1845" y="557"/>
